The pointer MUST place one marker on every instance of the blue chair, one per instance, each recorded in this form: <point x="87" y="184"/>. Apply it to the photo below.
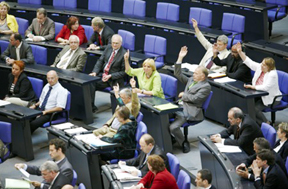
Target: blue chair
<point x="155" y="46"/>
<point x="183" y="181"/>
<point x="6" y="137"/>
<point x="167" y="11"/>
<point x="139" y="117"/>
<point x="174" y="165"/>
<point x="282" y="82"/>
<point x="40" y="54"/>
<point x="134" y="8"/>
<point x="99" y="5"/>
<point x="62" y="116"/>
<point x="58" y="27"/>
<point x="65" y="3"/>
<point x="33" y="2"/>
<point x="234" y="23"/>
<point x="3" y="45"/>
<point x="81" y="186"/>
<point x="169" y="86"/>
<point x="74" y="180"/>
<point x="88" y="31"/>
<point x="128" y="39"/>
<point x="269" y="133"/>
<point x="37" y="85"/>
<point x="23" y="25"/>
<point x="278" y="13"/>
<point x="203" y="16"/>
<point x="286" y="165"/>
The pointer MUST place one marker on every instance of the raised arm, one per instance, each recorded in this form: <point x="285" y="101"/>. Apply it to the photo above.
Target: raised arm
<point x="126" y="58"/>
<point x="240" y="52"/>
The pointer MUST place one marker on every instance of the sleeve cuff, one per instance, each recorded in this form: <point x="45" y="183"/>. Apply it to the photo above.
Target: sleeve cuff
<point x="139" y="173"/>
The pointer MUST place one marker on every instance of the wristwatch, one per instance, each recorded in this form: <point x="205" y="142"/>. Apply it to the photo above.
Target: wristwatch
<point x="142" y="92"/>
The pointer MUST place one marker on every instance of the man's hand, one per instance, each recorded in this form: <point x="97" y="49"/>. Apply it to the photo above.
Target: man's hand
<point x="180" y="94"/>
<point x="121" y="163"/>
<point x="134" y="172"/>
<point x="183" y="52"/>
<point x="256" y="169"/>
<point x="195" y="23"/>
<point x="106" y="77"/>
<point x="30" y="35"/>
<point x="93" y="47"/>
<point x="133" y="82"/>
<point x="37" y="38"/>
<point x="36" y="183"/>
<point x="10" y="61"/>
<point x="215" y="51"/>
<point x="33" y="106"/>
<point x="239" y="47"/>
<point x="93" y="74"/>
<point x="19" y="166"/>
<point x="242" y="170"/>
<point x="126" y="55"/>
<point x="100" y="136"/>
<point x="216" y="139"/>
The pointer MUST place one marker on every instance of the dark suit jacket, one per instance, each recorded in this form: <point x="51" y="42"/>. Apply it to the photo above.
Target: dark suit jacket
<point x="248" y="132"/>
<point x="77" y="61"/>
<point x="47" y="31"/>
<point x="275" y="179"/>
<point x="138" y="161"/>
<point x="106" y="36"/>
<point x="235" y="68"/>
<point x="117" y="68"/>
<point x="25" y="53"/>
<point x="194" y="97"/>
<point x="22" y="89"/>
<point x="212" y="187"/>
<point x="283" y="152"/>
<point x="60" y="181"/>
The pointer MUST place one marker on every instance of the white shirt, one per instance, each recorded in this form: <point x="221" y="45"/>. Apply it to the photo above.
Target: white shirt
<point x="18" y="51"/>
<point x="64" y="57"/>
<point x="280" y="146"/>
<point x="54" y="180"/>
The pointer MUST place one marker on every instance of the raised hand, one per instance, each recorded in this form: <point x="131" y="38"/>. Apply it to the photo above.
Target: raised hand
<point x="183" y="52"/>
<point x="195" y="23"/>
<point x="126" y="55"/>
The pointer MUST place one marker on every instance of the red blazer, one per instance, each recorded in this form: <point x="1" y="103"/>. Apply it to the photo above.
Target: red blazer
<point x="65" y="34"/>
<point x="163" y="179"/>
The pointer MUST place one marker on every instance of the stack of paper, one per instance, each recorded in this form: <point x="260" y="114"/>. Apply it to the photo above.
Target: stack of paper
<point x="224" y="80"/>
<point x="124" y="176"/>
<point x="75" y="131"/>
<point x="92" y="140"/>
<point x="216" y="75"/>
<point x="167" y="106"/>
<point x="16" y="183"/>
<point x="4" y="103"/>
<point x="190" y="67"/>
<point x="63" y="126"/>
<point x="127" y="168"/>
<point x="228" y="148"/>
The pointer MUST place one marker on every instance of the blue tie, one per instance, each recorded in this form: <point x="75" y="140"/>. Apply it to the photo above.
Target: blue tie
<point x="46" y="99"/>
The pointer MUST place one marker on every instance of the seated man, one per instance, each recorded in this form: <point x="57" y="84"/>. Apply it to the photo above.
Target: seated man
<point x="71" y="57"/>
<point x="204" y="179"/>
<point x="57" y="149"/>
<point x="196" y="91"/>
<point x="148" y="147"/>
<point x="268" y="174"/>
<point x="53" y="99"/>
<point x="18" y="50"/>
<point x="42" y="28"/>
<point x="221" y="46"/>
<point x="244" y="129"/>
<point x="50" y="173"/>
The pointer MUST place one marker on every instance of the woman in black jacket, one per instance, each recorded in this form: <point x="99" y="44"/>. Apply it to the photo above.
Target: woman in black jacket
<point x="20" y="90"/>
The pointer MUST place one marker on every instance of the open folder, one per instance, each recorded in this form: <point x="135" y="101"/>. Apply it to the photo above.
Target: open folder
<point x="16" y="183"/>
<point x="167" y="106"/>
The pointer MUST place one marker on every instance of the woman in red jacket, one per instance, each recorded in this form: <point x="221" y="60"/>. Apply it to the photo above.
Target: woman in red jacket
<point x="158" y="177"/>
<point x="72" y="27"/>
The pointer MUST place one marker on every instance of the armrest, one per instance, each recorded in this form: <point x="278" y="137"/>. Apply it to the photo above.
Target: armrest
<point x="275" y="98"/>
<point x="55" y="113"/>
<point x="232" y="40"/>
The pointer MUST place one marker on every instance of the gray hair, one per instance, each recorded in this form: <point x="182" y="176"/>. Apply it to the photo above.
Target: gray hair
<point x="127" y="92"/>
<point x="75" y="36"/>
<point x="223" y="38"/>
<point x="49" y="166"/>
<point x="204" y="70"/>
<point x="117" y="36"/>
<point x="237" y="113"/>
<point x="97" y="21"/>
<point x="42" y="11"/>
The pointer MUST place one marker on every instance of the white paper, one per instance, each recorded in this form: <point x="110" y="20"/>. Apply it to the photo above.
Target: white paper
<point x="4" y="103"/>
<point x="190" y="67"/>
<point x="224" y="80"/>
<point x="63" y="126"/>
<point x="16" y="183"/>
<point x="92" y="140"/>
<point x="215" y="75"/>
<point x="127" y="168"/>
<point x="76" y="130"/>
<point x="25" y="173"/>
<point x="228" y="148"/>
<point x="124" y="176"/>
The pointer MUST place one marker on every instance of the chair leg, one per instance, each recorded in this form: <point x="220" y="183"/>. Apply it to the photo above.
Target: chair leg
<point x="273" y="117"/>
<point x="186" y="134"/>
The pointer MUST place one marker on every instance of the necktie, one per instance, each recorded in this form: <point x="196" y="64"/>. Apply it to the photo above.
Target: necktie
<point x="106" y="70"/>
<point x="260" y="79"/>
<point x="237" y="132"/>
<point x="264" y="177"/>
<point x="46" y="99"/>
<point x="62" y="63"/>
<point x="192" y="84"/>
<point x="100" y="41"/>
<point x="210" y="63"/>
<point x="40" y="29"/>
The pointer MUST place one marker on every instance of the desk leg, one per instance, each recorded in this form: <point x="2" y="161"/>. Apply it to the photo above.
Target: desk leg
<point x="87" y="105"/>
<point x="251" y="108"/>
<point x="265" y="25"/>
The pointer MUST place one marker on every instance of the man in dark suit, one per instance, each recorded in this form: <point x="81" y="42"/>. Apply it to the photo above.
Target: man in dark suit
<point x="196" y="91"/>
<point x="42" y="28"/>
<point x="57" y="149"/>
<point x="110" y="67"/>
<point x="102" y="35"/>
<point x="235" y="67"/>
<point x="244" y="129"/>
<point x="281" y="146"/>
<point x="148" y="147"/>
<point x="71" y="57"/>
<point x="204" y="179"/>
<point x="267" y="173"/>
<point x="18" y="50"/>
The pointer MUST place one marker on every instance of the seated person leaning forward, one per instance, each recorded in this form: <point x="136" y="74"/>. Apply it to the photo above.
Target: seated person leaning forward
<point x="8" y="23"/>
<point x="123" y="98"/>
<point x="158" y="176"/>
<point x="53" y="99"/>
<point x="20" y="90"/>
<point x="125" y="136"/>
<point x="149" y="79"/>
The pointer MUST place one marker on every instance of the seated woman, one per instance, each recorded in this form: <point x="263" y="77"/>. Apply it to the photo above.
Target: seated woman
<point x="281" y="146"/>
<point x="265" y="79"/>
<point x="19" y="87"/>
<point x="72" y="27"/>
<point x="8" y="23"/>
<point x="149" y="79"/>
<point x="126" y="135"/>
<point x="158" y="176"/>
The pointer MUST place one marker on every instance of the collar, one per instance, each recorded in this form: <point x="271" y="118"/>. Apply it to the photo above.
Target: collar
<point x="266" y="170"/>
<point x="222" y="51"/>
<point x="208" y="187"/>
<point x="282" y="142"/>
<point x="59" y="160"/>
<point x="100" y="33"/>
<point x="19" y="46"/>
<point x="240" y="124"/>
<point x="55" y="85"/>
<point x="54" y="179"/>
<point x="150" y="151"/>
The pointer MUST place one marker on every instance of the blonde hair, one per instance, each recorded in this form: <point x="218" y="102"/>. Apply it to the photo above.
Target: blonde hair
<point x="3" y="3"/>
<point x="284" y="128"/>
<point x="270" y="63"/>
<point x="150" y="62"/>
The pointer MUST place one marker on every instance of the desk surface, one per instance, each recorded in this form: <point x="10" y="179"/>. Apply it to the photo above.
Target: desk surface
<point x="27" y="112"/>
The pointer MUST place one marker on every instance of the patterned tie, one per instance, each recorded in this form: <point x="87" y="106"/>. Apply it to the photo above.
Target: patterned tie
<point x="260" y="79"/>
<point x="237" y="132"/>
<point x="264" y="177"/>
<point x="40" y="29"/>
<point x="210" y="64"/>
<point x="99" y="38"/>
<point x="106" y="70"/>
<point x="62" y="63"/>
<point x="46" y="99"/>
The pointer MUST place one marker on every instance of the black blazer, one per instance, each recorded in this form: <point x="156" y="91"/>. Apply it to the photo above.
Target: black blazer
<point x="106" y="36"/>
<point x="248" y="132"/>
<point x="25" y="53"/>
<point x="60" y="181"/>
<point x="283" y="152"/>
<point x="117" y="68"/>
<point x="22" y="89"/>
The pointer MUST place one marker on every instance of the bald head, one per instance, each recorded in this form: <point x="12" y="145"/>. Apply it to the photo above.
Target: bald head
<point x="52" y="77"/>
<point x="67" y="186"/>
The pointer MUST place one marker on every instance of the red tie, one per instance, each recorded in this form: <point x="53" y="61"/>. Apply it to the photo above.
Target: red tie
<point x="260" y="79"/>
<point x="210" y="64"/>
<point x="100" y="41"/>
<point x="106" y="70"/>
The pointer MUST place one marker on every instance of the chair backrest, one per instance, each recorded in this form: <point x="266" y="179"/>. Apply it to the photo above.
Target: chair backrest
<point x="134" y="8"/>
<point x="167" y="11"/>
<point x="139" y="117"/>
<point x="37" y="85"/>
<point x="128" y="39"/>
<point x="65" y="3"/>
<point x="203" y="16"/>
<point x="269" y="133"/>
<point x="34" y="2"/>
<point x="282" y="82"/>
<point x="3" y="45"/>
<point x="234" y="23"/>
<point x="169" y="86"/>
<point x="23" y="25"/>
<point x="81" y="186"/>
<point x="99" y="5"/>
<point x="174" y="165"/>
<point x="5" y="132"/>
<point x="40" y="54"/>
<point x="141" y="130"/>
<point x="283" y="3"/>
<point x="88" y="31"/>
<point x="207" y="102"/>
<point x="74" y="180"/>
<point x="58" y="27"/>
<point x="155" y="45"/>
<point x="286" y="165"/>
<point x="183" y="180"/>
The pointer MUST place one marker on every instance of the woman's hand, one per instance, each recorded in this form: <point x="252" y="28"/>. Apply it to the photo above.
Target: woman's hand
<point x="247" y="86"/>
<point x="126" y="55"/>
